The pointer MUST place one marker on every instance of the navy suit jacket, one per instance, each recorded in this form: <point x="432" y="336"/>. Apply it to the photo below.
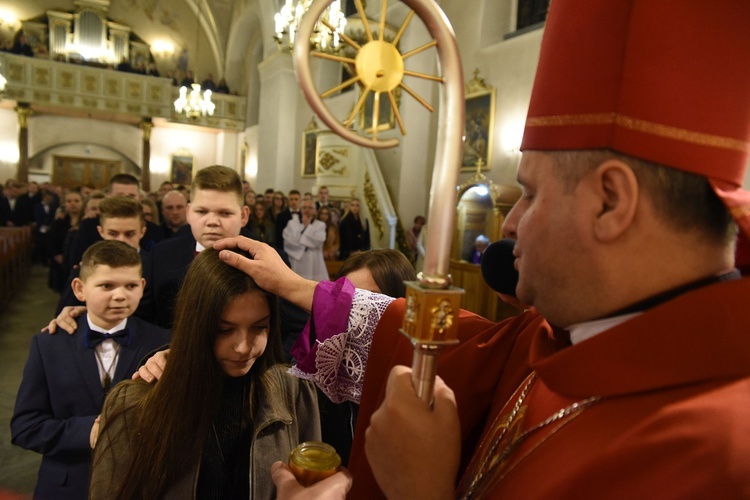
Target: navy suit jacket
<point x="59" y="398"/>
<point x="164" y="272"/>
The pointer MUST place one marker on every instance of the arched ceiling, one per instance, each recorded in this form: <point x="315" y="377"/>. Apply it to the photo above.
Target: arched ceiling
<point x="202" y="28"/>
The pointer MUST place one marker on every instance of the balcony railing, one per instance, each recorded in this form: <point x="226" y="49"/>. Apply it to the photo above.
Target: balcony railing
<point x="92" y="89"/>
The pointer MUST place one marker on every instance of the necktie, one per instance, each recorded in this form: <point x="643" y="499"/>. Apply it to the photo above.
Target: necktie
<point x="94" y="338"/>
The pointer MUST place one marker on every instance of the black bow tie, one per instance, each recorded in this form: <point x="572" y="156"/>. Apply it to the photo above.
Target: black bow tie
<point x="94" y="338"/>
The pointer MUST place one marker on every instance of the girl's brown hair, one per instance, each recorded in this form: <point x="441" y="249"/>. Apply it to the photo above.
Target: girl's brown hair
<point x="176" y="414"/>
<point x="389" y="268"/>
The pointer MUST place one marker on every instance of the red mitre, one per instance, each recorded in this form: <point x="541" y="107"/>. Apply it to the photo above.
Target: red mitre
<point x="667" y="81"/>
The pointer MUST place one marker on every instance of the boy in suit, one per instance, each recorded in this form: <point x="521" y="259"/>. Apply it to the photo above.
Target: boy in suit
<point x="66" y="377"/>
<point x="216" y="210"/>
<point x="121" y="219"/>
<point x="119" y="185"/>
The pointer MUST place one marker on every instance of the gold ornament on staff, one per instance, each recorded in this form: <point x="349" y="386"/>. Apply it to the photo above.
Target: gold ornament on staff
<point x="432" y="307"/>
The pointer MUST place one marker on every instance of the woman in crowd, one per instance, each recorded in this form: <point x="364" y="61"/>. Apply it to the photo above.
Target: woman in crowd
<point x="224" y="409"/>
<point x="259" y="226"/>
<point x="333" y="242"/>
<point x="250" y="199"/>
<point x="277" y="206"/>
<point x="58" y="235"/>
<point x="354" y="230"/>
<point x="382" y="270"/>
<point x="150" y="211"/>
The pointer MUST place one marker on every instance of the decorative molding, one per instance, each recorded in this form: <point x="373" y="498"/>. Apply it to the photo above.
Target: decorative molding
<point x="84" y="88"/>
<point x="372" y="204"/>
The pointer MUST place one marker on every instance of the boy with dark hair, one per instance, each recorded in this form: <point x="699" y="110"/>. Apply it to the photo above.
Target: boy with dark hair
<point x="120" y="185"/>
<point x="67" y="376"/>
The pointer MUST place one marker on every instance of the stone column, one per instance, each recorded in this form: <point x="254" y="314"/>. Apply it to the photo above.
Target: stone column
<point x="279" y="100"/>
<point x="24" y="111"/>
<point x="146" y="126"/>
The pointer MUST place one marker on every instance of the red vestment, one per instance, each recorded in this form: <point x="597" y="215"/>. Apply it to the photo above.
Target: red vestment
<point x="674" y="420"/>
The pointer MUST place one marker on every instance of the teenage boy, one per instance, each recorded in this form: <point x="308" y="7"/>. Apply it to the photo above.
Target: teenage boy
<point x="66" y="377"/>
<point x="121" y="219"/>
<point x="216" y="210"/>
<point x="119" y="185"/>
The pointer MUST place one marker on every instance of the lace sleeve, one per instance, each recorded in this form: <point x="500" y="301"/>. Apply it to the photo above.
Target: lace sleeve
<point x="336" y="362"/>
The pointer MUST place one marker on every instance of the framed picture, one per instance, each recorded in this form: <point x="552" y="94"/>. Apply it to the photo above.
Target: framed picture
<point x="182" y="169"/>
<point x="309" y="151"/>
<point x="243" y="160"/>
<point x="478" y="130"/>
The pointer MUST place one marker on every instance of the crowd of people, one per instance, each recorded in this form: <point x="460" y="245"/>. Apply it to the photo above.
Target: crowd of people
<point x="180" y="78"/>
<point x="310" y="229"/>
<point x="626" y="375"/>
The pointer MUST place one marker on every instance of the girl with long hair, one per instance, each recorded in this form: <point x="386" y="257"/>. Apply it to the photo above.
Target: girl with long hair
<point x="224" y="409"/>
<point x="278" y="204"/>
<point x="261" y="228"/>
<point x="333" y="242"/>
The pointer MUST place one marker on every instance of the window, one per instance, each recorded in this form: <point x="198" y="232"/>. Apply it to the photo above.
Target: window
<point x="531" y="12"/>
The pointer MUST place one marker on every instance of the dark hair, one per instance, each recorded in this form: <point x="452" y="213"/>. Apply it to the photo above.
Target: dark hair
<point x="124" y="179"/>
<point x="684" y="200"/>
<point x="176" y="414"/>
<point x="294" y="191"/>
<point x="108" y="253"/>
<point x="389" y="268"/>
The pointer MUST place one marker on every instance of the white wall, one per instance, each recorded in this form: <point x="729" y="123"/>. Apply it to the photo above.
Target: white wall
<point x="8" y="144"/>
<point x="167" y="141"/>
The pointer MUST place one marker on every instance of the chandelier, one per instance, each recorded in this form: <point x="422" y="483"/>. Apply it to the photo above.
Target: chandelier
<point x="195" y="105"/>
<point x="325" y="39"/>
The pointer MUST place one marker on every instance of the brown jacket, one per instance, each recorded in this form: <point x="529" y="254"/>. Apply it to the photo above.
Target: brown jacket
<point x="284" y="419"/>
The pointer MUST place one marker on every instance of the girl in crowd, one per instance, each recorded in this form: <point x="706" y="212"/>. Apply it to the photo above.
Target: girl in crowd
<point x="58" y="237"/>
<point x="277" y="206"/>
<point x="382" y="270"/>
<point x="224" y="409"/>
<point x="332" y="244"/>
<point x="259" y="226"/>
<point x="250" y="199"/>
<point x="354" y="230"/>
<point x="150" y="211"/>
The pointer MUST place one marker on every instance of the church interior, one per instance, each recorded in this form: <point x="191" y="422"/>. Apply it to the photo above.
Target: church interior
<point x="95" y="90"/>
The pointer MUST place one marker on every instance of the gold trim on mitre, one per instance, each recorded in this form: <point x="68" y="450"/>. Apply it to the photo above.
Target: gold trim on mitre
<point x="645" y="126"/>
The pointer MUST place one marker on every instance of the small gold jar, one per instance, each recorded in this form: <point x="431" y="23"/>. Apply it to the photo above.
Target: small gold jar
<point x="312" y="461"/>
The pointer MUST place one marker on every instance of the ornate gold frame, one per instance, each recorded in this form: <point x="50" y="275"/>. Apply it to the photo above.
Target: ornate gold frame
<point x="181" y="168"/>
<point x="309" y="165"/>
<point x="480" y="122"/>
